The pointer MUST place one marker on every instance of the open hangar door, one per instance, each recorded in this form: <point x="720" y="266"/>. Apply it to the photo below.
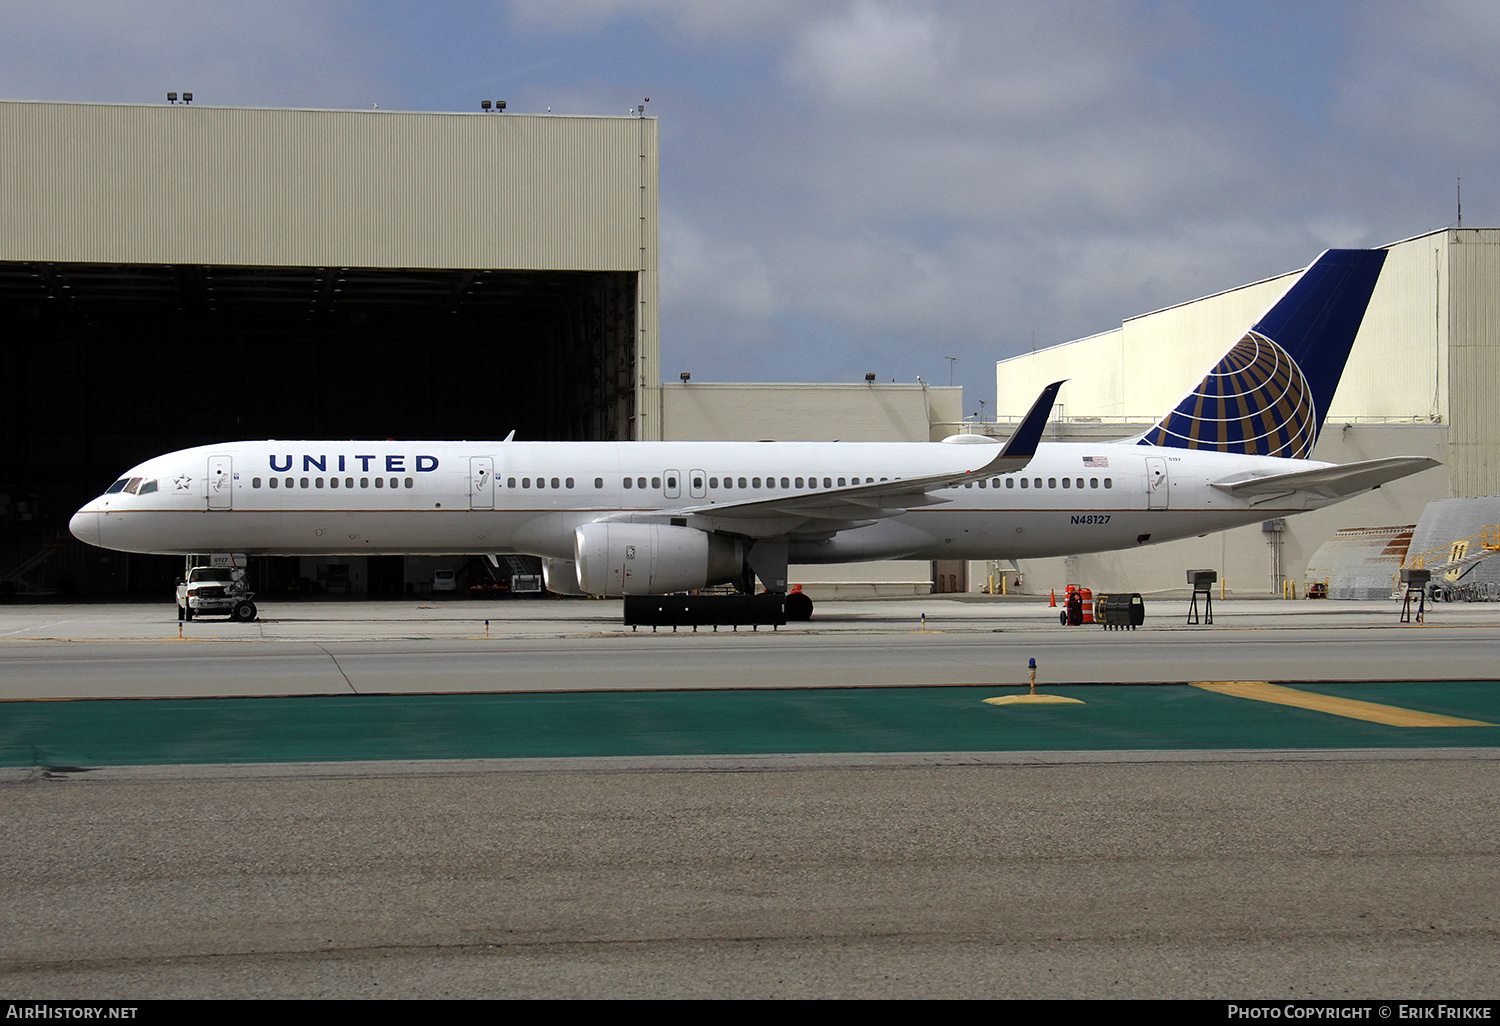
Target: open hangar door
<point x="110" y="364"/>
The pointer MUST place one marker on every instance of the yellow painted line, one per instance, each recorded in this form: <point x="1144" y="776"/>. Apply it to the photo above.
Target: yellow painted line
<point x="1374" y="712"/>
<point x="1032" y="700"/>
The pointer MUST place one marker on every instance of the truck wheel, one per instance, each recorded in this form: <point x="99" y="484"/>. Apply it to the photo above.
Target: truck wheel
<point x="798" y="606"/>
<point x="244" y="612"/>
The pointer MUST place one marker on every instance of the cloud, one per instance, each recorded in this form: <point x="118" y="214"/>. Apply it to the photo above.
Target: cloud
<point x="277" y="52"/>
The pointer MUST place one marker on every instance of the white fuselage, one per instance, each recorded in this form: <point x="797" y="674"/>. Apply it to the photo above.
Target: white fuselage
<point x="344" y="498"/>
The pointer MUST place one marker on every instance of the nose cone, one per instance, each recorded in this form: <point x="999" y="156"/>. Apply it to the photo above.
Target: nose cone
<point x="85" y="527"/>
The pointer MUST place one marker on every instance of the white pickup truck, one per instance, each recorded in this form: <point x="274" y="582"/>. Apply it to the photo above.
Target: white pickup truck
<point x="215" y="591"/>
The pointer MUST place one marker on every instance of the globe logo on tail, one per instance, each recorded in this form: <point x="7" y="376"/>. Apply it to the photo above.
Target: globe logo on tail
<point x="1256" y="402"/>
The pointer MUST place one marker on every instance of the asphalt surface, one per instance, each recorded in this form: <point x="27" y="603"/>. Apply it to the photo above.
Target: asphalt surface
<point x="1294" y="871"/>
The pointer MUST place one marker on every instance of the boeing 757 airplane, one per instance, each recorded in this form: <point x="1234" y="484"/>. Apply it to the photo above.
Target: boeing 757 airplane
<point x="653" y="518"/>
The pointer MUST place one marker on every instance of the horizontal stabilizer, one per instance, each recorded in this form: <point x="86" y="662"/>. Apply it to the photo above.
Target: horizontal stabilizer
<point x="1330" y="482"/>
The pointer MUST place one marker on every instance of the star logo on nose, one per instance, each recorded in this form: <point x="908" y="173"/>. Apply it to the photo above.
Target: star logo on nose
<point x="182" y="482"/>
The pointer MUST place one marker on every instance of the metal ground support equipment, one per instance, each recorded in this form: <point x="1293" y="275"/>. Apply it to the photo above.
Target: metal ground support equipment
<point x="1203" y="583"/>
<point x="1120" y="612"/>
<point x="1415" y="580"/>
<point x="765" y="609"/>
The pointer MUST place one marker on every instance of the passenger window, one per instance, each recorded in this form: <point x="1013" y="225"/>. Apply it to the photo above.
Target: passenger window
<point x="799" y="482"/>
<point x="828" y="482"/>
<point x="755" y="482"/>
<point x="713" y="482"/>
<point x="318" y="481"/>
<point x="554" y="484"/>
<point x="1051" y="482"/>
<point x="968" y="484"/>
<point x="393" y="482"/>
<point x="1010" y="482"/>
<point x="348" y="482"/>
<point x="1036" y="482"/>
<point x="1067" y="483"/>
<point x="273" y="482"/>
<point x="525" y="482"/>
<point x="1093" y="482"/>
<point x="656" y="482"/>
<point x="598" y="482"/>
<point x="408" y="482"/>
<point x="698" y="482"/>
<point x="1109" y="482"/>
<point x="640" y="482"/>
<point x="1080" y="482"/>
<point x="304" y="482"/>
<point x="786" y="483"/>
<point x="255" y="482"/>
<point x="364" y="482"/>
<point x="380" y="482"/>
<point x="742" y="483"/>
<point x="841" y="482"/>
<point x="1023" y="482"/>
<point x="333" y="482"/>
<point x="569" y="482"/>
<point x="629" y="483"/>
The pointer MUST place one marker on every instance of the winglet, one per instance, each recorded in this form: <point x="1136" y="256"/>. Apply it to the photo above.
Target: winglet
<point x="1022" y="444"/>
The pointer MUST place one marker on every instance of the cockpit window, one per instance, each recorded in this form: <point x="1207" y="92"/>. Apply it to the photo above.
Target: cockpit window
<point x="147" y="486"/>
<point x="133" y="485"/>
<point x="118" y="486"/>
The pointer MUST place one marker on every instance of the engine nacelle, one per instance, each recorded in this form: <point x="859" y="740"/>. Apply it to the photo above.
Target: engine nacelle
<point x="652" y="559"/>
<point x="561" y="577"/>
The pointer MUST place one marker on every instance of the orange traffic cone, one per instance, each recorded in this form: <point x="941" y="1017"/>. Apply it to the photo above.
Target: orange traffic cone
<point x="1053" y="603"/>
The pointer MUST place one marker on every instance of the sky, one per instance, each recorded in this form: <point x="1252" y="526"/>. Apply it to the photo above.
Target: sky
<point x="878" y="185"/>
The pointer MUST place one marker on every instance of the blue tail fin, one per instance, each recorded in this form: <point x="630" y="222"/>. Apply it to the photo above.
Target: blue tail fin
<point x="1269" y="394"/>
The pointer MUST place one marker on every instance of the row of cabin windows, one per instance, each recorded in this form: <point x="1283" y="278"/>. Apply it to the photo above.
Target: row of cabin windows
<point x="697" y="482"/>
<point x="1036" y="482"/>
<point x="333" y="482"/>
<point x="791" y="482"/>
<point x="638" y="482"/>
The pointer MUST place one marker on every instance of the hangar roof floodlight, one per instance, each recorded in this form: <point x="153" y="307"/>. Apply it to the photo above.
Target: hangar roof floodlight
<point x="499" y="104"/>
<point x="686" y="376"/>
<point x="171" y="97"/>
<point x="187" y="97"/>
<point x="485" y="105"/>
<point x="869" y="377"/>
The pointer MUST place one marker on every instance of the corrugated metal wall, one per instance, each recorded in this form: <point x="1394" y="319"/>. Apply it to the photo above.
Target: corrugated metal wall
<point x="1474" y="361"/>
<point x="179" y="184"/>
<point x="191" y="185"/>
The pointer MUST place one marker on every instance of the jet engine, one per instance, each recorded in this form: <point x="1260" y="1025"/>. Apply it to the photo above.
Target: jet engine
<point x="652" y="559"/>
<point x="561" y="577"/>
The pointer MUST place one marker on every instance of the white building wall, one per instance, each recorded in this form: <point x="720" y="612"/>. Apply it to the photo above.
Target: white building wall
<point x="819" y="413"/>
<point x="1421" y="380"/>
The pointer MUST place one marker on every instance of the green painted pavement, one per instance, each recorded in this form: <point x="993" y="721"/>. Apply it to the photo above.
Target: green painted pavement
<point x="929" y="719"/>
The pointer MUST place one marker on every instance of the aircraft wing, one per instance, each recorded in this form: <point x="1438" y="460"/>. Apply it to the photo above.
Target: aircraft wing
<point x="1330" y="482"/>
<point x="836" y="508"/>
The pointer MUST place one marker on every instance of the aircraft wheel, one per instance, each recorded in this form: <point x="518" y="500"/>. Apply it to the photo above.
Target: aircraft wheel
<point x="798" y="606"/>
<point x="244" y="612"/>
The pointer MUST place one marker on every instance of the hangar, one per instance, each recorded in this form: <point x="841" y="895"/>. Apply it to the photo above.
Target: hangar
<point x="1421" y="380"/>
<point x="173" y="275"/>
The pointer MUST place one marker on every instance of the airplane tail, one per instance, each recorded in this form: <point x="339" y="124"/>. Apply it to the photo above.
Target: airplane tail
<point x="1269" y="394"/>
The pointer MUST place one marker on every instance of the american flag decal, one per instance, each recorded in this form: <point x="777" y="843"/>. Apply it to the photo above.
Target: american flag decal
<point x="1096" y="461"/>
